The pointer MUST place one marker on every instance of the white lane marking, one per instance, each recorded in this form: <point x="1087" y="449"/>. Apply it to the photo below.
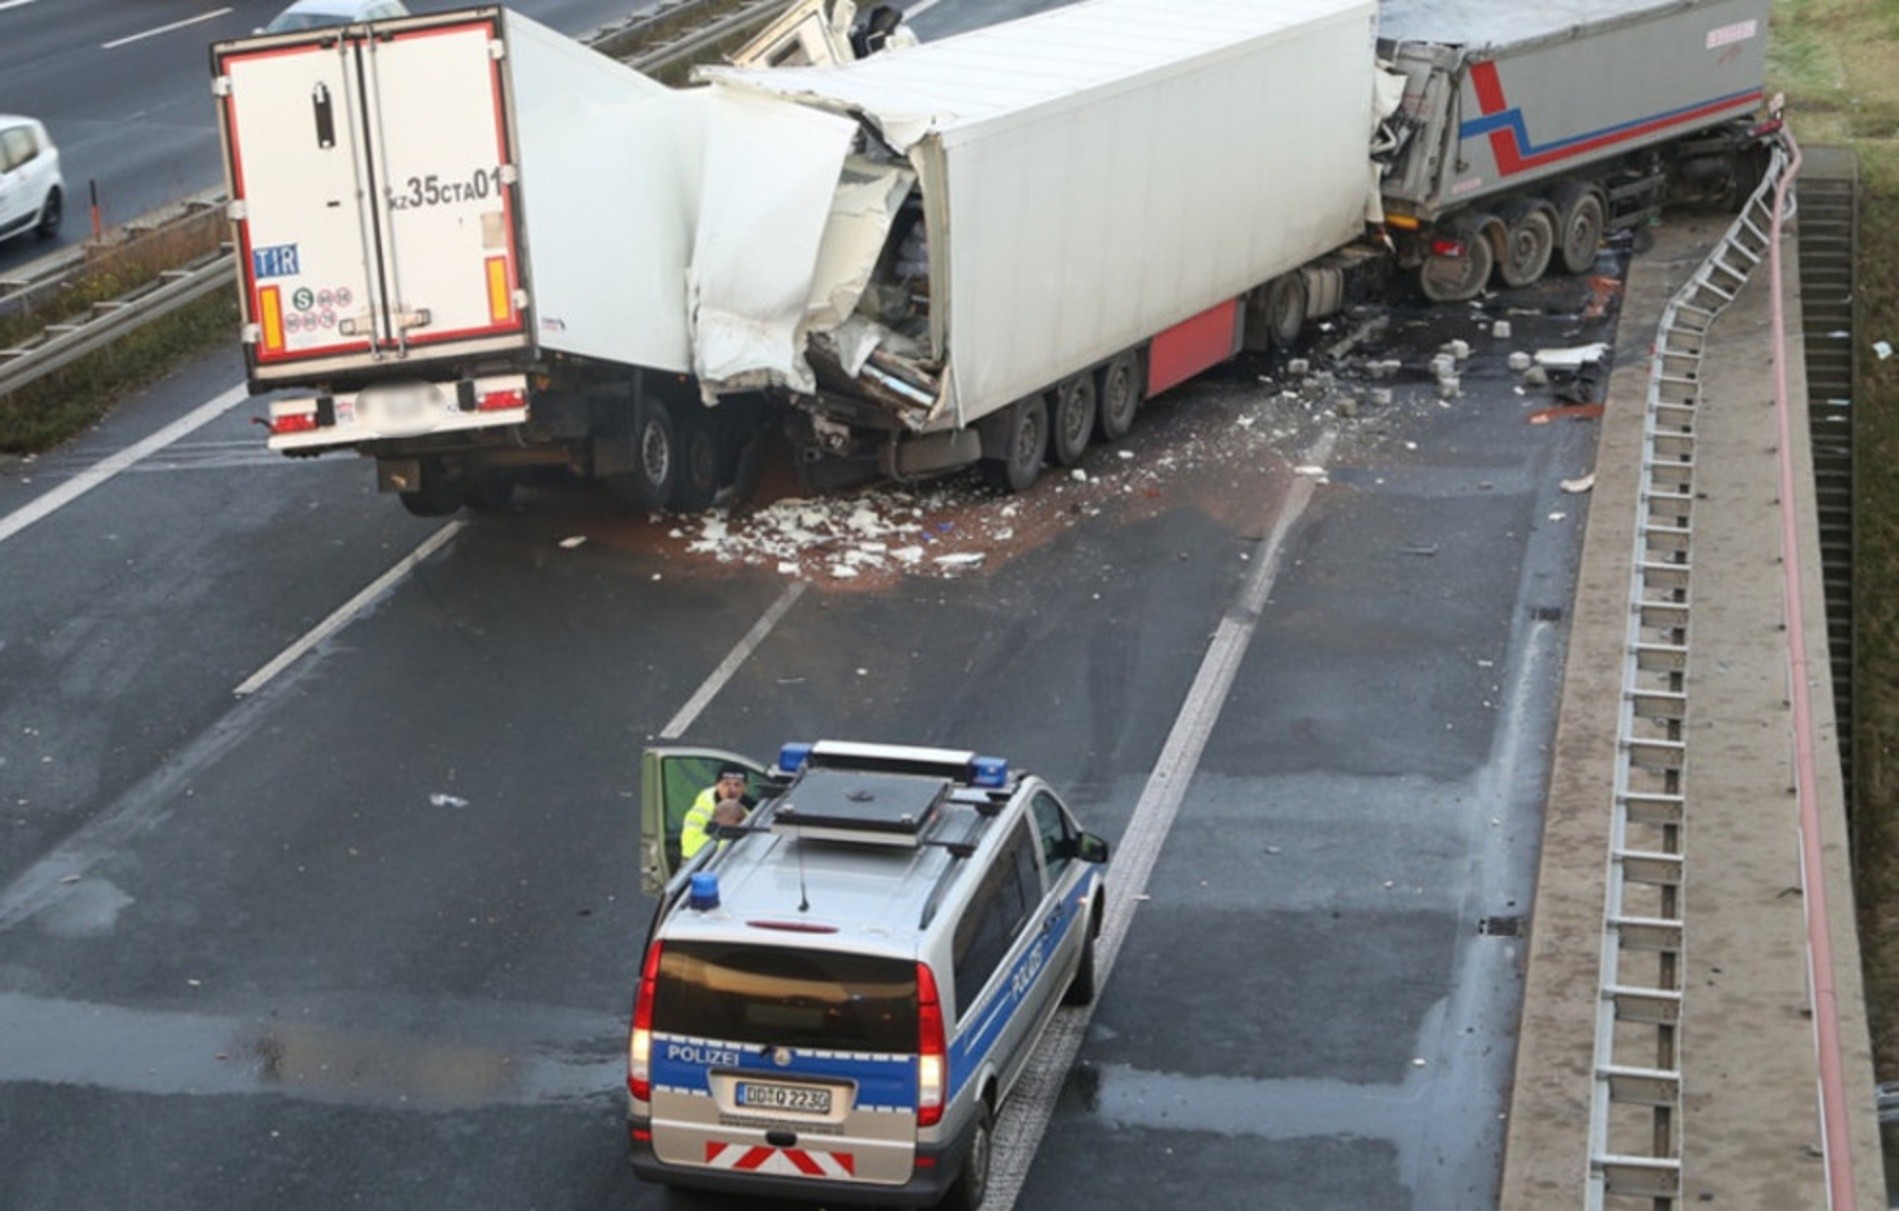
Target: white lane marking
<point x="341" y="617"/>
<point x="733" y="659"/>
<point x="106" y="468"/>
<point x="6" y="4"/>
<point x="1025" y="1117"/>
<point x="164" y="29"/>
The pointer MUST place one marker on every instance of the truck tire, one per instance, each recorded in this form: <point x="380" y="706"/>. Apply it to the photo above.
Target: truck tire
<point x="1529" y="240"/>
<point x="1458" y="279"/>
<point x="1072" y="420"/>
<point x="1580" y="218"/>
<point x="653" y="449"/>
<point x="489" y="489"/>
<point x="701" y="461"/>
<point x="436" y="496"/>
<point x="1023" y="440"/>
<point x="1286" y="309"/>
<point x="1117" y="396"/>
<point x="971" y="1186"/>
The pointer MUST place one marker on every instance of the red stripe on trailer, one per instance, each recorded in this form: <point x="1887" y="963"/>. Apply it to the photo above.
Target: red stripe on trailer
<point x="1193" y="345"/>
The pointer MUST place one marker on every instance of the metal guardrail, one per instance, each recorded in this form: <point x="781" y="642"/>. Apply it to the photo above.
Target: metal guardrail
<point x="702" y="26"/>
<point x="1635" y="1110"/>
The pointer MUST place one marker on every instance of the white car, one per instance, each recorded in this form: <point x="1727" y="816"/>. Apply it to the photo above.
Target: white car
<point x="32" y="193"/>
<point x="315" y="14"/>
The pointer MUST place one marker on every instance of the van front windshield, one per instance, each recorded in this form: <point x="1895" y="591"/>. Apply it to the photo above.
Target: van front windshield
<point x="786" y="996"/>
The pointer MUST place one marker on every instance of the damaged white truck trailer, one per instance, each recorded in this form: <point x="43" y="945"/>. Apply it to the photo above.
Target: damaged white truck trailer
<point x="995" y="246"/>
<point x="462" y="243"/>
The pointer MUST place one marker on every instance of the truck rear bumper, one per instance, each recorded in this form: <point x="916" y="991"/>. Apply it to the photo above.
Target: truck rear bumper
<point x="314" y="423"/>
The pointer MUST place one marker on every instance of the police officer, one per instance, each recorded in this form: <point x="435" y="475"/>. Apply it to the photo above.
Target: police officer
<point x="724" y="802"/>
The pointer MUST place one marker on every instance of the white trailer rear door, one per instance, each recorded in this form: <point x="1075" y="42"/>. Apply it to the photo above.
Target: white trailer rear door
<point x="372" y="177"/>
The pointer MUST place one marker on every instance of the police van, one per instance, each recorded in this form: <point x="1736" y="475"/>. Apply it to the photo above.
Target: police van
<point x="838" y="994"/>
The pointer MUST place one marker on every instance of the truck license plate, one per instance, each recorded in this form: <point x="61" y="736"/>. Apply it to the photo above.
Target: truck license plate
<point x="804" y="1099"/>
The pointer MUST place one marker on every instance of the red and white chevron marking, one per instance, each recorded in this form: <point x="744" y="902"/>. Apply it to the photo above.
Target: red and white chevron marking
<point x="786" y="1162"/>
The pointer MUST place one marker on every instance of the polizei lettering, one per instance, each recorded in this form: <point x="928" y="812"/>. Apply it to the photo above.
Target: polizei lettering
<point x="708" y="1057"/>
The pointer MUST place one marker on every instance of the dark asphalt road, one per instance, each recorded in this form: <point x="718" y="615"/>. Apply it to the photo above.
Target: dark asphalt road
<point x="366" y="937"/>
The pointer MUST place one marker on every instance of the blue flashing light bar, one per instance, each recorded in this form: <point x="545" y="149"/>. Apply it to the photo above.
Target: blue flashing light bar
<point x="792" y="756"/>
<point x="991" y="773"/>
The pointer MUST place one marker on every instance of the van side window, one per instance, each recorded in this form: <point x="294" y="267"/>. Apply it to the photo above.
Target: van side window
<point x="1055" y="834"/>
<point x="1010" y="891"/>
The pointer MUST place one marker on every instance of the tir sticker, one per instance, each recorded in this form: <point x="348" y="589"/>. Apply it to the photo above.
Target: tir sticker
<point x="1740" y="31"/>
<point x="276" y="261"/>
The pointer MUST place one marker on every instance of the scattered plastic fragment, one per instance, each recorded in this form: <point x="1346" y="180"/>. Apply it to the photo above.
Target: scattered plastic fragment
<point x="442" y="799"/>
<point x="1580" y="484"/>
<point x="568" y="544"/>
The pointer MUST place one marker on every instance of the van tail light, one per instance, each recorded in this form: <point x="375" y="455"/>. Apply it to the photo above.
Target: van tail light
<point x="502" y="401"/>
<point x="639" y="1046"/>
<point x="932" y="1055"/>
<point x="1445" y="246"/>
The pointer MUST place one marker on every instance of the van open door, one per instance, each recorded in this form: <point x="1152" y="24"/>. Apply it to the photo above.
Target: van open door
<point x="670" y="779"/>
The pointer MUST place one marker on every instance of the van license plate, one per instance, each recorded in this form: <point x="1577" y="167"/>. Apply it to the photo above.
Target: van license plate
<point x="802" y="1098"/>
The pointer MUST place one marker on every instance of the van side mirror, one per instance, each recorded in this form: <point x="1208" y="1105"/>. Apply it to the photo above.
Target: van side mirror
<point x="1090" y="848"/>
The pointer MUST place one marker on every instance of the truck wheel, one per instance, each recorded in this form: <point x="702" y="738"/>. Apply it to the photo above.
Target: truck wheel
<point x="1458" y="279"/>
<point x="1024" y="442"/>
<point x="1073" y="422"/>
<point x="489" y="490"/>
<point x="1527" y="245"/>
<point x="972" y="1184"/>
<point x="1118" y="395"/>
<point x="701" y="461"/>
<point x="1579" y="223"/>
<point x="654" y="442"/>
<point x="1286" y="309"/>
<point x="436" y="496"/>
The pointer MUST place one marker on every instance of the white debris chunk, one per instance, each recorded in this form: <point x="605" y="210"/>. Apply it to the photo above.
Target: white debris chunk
<point x="1575" y="357"/>
<point x="1520" y="361"/>
<point x="961" y="559"/>
<point x="1883" y="349"/>
<point x="1500" y="330"/>
<point x="1124" y="455"/>
<point x="1580" y="484"/>
<point x="568" y="544"/>
<point x="1299" y="367"/>
<point x="1312" y="469"/>
<point x="443" y="799"/>
<point x="1558" y="515"/>
<point x="908" y="554"/>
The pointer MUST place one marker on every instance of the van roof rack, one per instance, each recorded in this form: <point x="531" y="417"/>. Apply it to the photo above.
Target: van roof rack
<point x="866" y="806"/>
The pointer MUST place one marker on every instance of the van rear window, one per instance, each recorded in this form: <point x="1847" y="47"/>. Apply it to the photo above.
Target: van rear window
<point x="787" y="996"/>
